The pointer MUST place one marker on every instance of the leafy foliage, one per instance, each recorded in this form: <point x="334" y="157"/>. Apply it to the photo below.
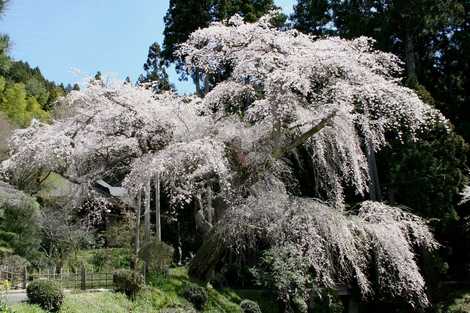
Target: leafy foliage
<point x="4" y="308"/>
<point x="47" y="294"/>
<point x="312" y="16"/>
<point x="24" y="92"/>
<point x="427" y="175"/>
<point x="128" y="282"/>
<point x="195" y="294"/>
<point x="158" y="254"/>
<point x="18" y="106"/>
<point x="155" y="75"/>
<point x="249" y="306"/>
<point x="19" y="222"/>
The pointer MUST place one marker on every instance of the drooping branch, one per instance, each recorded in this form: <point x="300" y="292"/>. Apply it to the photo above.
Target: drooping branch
<point x="280" y="152"/>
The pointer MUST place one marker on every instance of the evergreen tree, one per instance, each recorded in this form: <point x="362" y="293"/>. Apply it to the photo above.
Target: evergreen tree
<point x="312" y="16"/>
<point x="3" y="4"/>
<point x="18" y="106"/>
<point x="250" y="10"/>
<point x="406" y="28"/>
<point x="155" y="71"/>
<point x="446" y="74"/>
<point x="5" y="61"/>
<point x="182" y="18"/>
<point x="98" y="76"/>
<point x="185" y="16"/>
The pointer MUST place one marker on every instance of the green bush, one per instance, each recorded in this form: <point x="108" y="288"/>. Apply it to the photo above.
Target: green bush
<point x="249" y="306"/>
<point x="4" y="308"/>
<point x="195" y="294"/>
<point x="128" y="282"/>
<point x="158" y="254"/>
<point x="45" y="293"/>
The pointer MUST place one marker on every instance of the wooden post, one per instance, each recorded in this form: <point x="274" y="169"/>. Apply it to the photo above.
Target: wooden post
<point x="158" y="227"/>
<point x="25" y="278"/>
<point x="147" y="213"/>
<point x="82" y="277"/>
<point x="147" y="226"/>
<point x="137" y="225"/>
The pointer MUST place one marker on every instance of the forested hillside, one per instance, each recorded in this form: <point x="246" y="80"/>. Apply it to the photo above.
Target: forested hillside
<point x="24" y="93"/>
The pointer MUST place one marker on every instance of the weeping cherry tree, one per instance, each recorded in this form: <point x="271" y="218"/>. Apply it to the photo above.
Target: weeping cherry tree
<point x="272" y="93"/>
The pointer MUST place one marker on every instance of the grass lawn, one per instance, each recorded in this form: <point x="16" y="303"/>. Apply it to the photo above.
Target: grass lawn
<point x="163" y="292"/>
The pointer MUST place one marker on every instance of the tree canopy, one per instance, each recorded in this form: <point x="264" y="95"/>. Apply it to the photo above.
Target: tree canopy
<point x="275" y="93"/>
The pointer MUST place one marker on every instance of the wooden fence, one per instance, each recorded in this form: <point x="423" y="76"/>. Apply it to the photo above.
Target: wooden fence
<point x="80" y="280"/>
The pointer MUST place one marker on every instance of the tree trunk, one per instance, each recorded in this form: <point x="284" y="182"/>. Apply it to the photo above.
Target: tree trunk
<point x="58" y="266"/>
<point x="137" y="224"/>
<point x="210" y="209"/>
<point x="197" y="83"/>
<point x="410" y="60"/>
<point x="180" y="245"/>
<point x="206" y="259"/>
<point x="147" y="213"/>
<point x="206" y="84"/>
<point x="158" y="227"/>
<point x="147" y="226"/>
<point x="375" y="192"/>
<point x="202" y="225"/>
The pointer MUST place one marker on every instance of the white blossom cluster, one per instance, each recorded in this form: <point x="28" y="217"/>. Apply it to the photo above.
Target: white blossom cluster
<point x="291" y="81"/>
<point x="465" y="195"/>
<point x="104" y="130"/>
<point x="373" y="249"/>
<point x="185" y="168"/>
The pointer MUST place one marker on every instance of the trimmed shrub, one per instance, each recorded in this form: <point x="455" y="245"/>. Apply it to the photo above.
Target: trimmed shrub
<point x="46" y="294"/>
<point x="128" y="282"/>
<point x="249" y="306"/>
<point x="195" y="294"/>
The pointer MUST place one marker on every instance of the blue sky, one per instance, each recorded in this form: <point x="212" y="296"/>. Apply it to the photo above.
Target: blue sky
<point x="90" y="35"/>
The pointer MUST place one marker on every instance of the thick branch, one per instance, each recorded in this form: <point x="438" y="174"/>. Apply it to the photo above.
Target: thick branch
<point x="278" y="153"/>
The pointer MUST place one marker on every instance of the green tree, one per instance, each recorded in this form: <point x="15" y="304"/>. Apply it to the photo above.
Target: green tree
<point x="45" y="92"/>
<point x="406" y="28"/>
<point x="427" y="175"/>
<point x="19" y="223"/>
<point x="182" y="18"/>
<point x="3" y="4"/>
<point x="446" y="74"/>
<point x="98" y="76"/>
<point x="185" y="16"/>
<point x="5" y="61"/>
<point x="312" y="16"/>
<point x="18" y="106"/>
<point x="155" y="70"/>
<point x="250" y="10"/>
